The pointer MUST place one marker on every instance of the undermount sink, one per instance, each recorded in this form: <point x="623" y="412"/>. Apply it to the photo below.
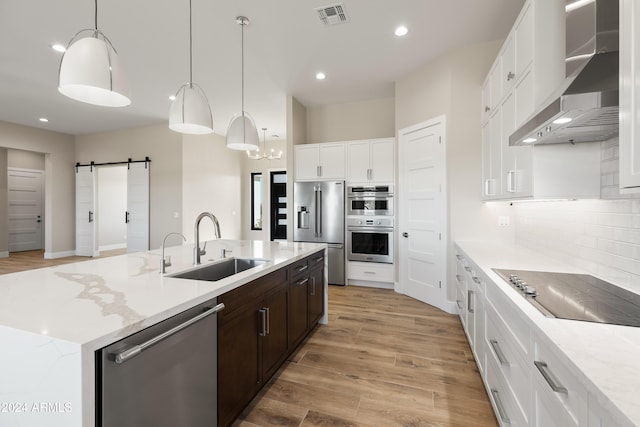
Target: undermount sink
<point x="220" y="269"/>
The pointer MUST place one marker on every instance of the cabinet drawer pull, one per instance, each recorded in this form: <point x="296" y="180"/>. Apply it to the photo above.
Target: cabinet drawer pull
<point x="302" y="268"/>
<point x="499" y="354"/>
<point x="476" y="279"/>
<point x="369" y="272"/>
<point x="459" y="278"/>
<point x="320" y="258"/>
<point x="469" y="297"/>
<point x="501" y="411"/>
<point x="302" y="282"/>
<point x="459" y="257"/>
<point x="550" y="378"/>
<point x="468" y="269"/>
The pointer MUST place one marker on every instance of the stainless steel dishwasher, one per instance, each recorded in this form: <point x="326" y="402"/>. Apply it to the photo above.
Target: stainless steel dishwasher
<point x="165" y="375"/>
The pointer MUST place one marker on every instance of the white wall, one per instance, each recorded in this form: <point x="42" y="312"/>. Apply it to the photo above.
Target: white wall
<point x="25" y="159"/>
<point x="59" y="181"/>
<point x="112" y="205"/>
<point x="296" y="134"/>
<point x="368" y="119"/>
<point x="451" y="86"/>
<point x="211" y="182"/>
<point x="164" y="148"/>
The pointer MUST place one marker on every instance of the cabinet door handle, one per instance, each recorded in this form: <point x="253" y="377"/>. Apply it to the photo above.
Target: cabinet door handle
<point x="510" y="76"/>
<point x="467" y="268"/>
<point x="459" y="278"/>
<point x="550" y="378"/>
<point x="488" y="187"/>
<point x="313" y="286"/>
<point x="90" y="216"/>
<point x="268" y="316"/>
<point x="263" y="321"/>
<point x="511" y="182"/>
<point x="501" y="411"/>
<point x="460" y="305"/>
<point x="302" y="282"/>
<point x="470" y="309"/>
<point x="319" y="170"/>
<point x="459" y="257"/>
<point x="499" y="354"/>
<point x="476" y="279"/>
<point x="486" y="109"/>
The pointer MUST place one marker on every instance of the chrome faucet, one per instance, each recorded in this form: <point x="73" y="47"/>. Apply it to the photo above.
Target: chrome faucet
<point x="196" y="249"/>
<point x="163" y="262"/>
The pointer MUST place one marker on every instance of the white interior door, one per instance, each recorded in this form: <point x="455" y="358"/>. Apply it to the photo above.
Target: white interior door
<point x="137" y="215"/>
<point x="86" y="241"/>
<point x="25" y="209"/>
<point x="422" y="213"/>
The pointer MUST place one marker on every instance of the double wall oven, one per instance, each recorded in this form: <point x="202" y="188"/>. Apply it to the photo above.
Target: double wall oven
<point x="370" y="224"/>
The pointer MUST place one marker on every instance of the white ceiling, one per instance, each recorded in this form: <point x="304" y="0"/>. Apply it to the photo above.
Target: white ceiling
<point x="285" y="45"/>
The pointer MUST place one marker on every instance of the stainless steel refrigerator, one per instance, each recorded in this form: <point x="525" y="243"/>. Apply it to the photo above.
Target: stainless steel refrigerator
<point x="319" y="218"/>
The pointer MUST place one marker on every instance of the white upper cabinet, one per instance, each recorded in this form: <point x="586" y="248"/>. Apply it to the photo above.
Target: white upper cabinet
<point x="370" y="161"/>
<point x="629" y="96"/>
<point x="320" y="161"/>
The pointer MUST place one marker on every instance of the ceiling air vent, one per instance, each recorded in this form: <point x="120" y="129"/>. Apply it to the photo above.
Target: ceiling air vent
<point x="332" y="15"/>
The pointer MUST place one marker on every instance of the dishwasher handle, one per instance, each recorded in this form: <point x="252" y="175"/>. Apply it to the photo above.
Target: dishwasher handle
<point x="125" y="355"/>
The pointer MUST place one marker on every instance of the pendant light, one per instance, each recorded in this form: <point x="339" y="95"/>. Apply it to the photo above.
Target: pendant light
<point x="91" y="71"/>
<point x="257" y="156"/>
<point x="190" y="111"/>
<point x="242" y="133"/>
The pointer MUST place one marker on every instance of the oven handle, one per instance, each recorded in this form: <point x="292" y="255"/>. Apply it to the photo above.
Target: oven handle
<point x="371" y="229"/>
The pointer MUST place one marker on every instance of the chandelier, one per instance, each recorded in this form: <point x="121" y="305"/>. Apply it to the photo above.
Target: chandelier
<point x="257" y="155"/>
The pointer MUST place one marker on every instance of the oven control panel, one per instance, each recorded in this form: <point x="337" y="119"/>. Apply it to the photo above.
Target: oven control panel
<point x="369" y="222"/>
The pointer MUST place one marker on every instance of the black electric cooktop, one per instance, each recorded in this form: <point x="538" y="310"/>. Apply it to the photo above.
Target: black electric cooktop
<point x="575" y="296"/>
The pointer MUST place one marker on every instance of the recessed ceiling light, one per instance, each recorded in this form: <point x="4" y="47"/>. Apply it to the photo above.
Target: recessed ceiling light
<point x="528" y="140"/>
<point x="172" y="97"/>
<point x="320" y="76"/>
<point x="562" y="120"/>
<point x="44" y="119"/>
<point x="58" y="48"/>
<point x="401" y="31"/>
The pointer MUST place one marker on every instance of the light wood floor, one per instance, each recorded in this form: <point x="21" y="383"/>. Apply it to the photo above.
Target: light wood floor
<point x="29" y="260"/>
<point x="383" y="360"/>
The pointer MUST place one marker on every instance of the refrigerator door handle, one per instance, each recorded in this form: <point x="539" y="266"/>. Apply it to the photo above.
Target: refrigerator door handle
<point x="315" y="211"/>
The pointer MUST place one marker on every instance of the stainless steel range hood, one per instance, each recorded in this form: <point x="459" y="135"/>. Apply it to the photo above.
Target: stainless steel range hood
<point x="585" y="107"/>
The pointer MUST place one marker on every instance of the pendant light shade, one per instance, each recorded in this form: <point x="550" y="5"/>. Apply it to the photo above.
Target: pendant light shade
<point x="242" y="133"/>
<point x="91" y="70"/>
<point x="190" y="111"/>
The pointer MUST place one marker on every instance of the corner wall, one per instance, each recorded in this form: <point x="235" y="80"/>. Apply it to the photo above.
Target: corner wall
<point x="4" y="202"/>
<point x="452" y="86"/>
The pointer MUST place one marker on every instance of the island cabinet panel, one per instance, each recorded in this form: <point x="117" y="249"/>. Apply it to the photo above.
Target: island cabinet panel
<point x="252" y="341"/>
<point x="261" y="325"/>
<point x="316" y="289"/>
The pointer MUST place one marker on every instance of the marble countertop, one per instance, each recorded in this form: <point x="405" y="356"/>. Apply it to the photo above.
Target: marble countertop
<point x="604" y="357"/>
<point x="96" y="302"/>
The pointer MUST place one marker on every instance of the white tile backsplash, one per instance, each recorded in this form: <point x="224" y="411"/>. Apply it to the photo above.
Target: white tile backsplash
<point x="600" y="236"/>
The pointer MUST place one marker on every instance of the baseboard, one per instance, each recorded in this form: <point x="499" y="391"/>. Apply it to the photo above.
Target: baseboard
<point x="4" y="254"/>
<point x="54" y="255"/>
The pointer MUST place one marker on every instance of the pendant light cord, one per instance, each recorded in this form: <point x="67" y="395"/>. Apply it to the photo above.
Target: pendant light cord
<point x="190" y="47"/>
<point x="95" y="15"/>
<point x="242" y="24"/>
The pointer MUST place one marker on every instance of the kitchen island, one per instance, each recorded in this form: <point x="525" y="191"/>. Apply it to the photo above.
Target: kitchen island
<point x="53" y="320"/>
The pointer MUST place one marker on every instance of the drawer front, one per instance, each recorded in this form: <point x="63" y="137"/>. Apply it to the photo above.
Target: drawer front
<point x="371" y="271"/>
<point x="316" y="261"/>
<point x="505" y="407"/>
<point x="507" y="356"/>
<point x="299" y="268"/>
<point x="517" y="328"/>
<point x="555" y="380"/>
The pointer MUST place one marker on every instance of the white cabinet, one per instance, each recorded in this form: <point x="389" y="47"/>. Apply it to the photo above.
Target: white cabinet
<point x="320" y="161"/>
<point x="629" y="96"/>
<point x="372" y="274"/>
<point x="559" y="398"/>
<point x="470" y="301"/>
<point x="598" y="416"/>
<point x="370" y="161"/>
<point x="529" y="66"/>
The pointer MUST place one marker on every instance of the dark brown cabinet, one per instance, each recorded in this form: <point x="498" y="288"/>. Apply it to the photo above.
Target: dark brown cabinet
<point x="262" y="323"/>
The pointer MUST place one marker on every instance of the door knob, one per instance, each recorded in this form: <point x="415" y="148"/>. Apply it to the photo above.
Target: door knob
<point x="405" y="234"/>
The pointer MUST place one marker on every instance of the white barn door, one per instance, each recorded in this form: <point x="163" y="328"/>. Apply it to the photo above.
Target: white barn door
<point x="137" y="215"/>
<point x="422" y="213"/>
<point x="86" y="241"/>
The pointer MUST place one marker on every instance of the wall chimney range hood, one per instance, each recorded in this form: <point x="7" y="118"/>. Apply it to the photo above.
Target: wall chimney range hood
<point x="585" y="107"/>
